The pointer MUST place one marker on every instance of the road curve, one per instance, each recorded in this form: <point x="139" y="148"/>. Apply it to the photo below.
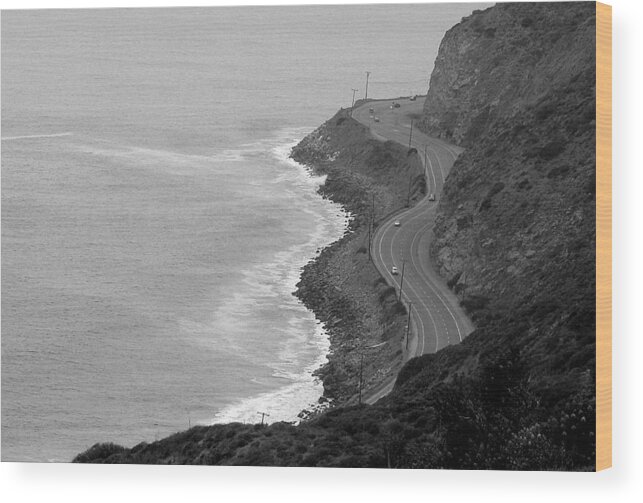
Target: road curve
<point x="437" y="320"/>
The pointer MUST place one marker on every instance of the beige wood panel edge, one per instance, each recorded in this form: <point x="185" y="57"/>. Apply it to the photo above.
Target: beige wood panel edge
<point x="603" y="236"/>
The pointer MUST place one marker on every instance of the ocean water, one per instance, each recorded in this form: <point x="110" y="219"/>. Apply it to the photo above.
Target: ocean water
<point x="153" y="227"/>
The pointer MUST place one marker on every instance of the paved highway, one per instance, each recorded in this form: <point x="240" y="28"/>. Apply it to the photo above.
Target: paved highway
<point x="437" y="320"/>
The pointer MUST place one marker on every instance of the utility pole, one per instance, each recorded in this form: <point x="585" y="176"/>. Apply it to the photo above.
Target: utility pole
<point x="426" y="175"/>
<point x="408" y="325"/>
<point x="361" y="373"/>
<point x="411" y="134"/>
<point x="371" y="228"/>
<point x="373" y="209"/>
<point x="263" y="414"/>
<point x="353" y="104"/>
<point x="402" y="279"/>
<point x="372" y="236"/>
<point x="366" y="93"/>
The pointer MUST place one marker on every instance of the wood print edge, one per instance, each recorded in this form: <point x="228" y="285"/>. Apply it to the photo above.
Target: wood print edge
<point x="603" y="236"/>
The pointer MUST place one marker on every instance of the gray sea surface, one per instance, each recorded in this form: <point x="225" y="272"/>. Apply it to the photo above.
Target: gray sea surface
<point x="153" y="228"/>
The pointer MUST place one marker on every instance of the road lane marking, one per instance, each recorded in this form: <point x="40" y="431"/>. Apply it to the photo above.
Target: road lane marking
<point x="383" y="232"/>
<point x="422" y="209"/>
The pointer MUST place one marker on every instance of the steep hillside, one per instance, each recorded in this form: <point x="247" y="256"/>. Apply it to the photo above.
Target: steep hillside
<point x="515" y="235"/>
<point x="515" y="239"/>
<point x="342" y="286"/>
<point x="505" y="60"/>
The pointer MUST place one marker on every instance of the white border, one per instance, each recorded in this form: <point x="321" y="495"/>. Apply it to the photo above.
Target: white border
<point x="65" y="483"/>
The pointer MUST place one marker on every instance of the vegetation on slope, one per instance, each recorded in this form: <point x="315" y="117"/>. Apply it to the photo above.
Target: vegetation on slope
<point x="342" y="286"/>
<point x="515" y="240"/>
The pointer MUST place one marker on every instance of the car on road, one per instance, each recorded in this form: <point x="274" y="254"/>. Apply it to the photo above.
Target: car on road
<point x="397" y="223"/>
<point x="431" y="197"/>
<point x="376" y="119"/>
<point x="394" y="270"/>
<point x="370" y="110"/>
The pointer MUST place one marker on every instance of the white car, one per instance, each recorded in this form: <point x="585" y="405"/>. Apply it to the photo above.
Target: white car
<point x="397" y="223"/>
<point x="376" y="119"/>
<point x="394" y="270"/>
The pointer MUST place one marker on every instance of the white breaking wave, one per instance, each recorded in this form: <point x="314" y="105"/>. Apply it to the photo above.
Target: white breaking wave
<point x="27" y="137"/>
<point x="285" y="403"/>
<point x="274" y="283"/>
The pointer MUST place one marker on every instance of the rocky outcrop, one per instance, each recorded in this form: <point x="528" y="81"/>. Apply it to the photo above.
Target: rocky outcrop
<point x="514" y="238"/>
<point x="515" y="231"/>
<point x="499" y="62"/>
<point x="341" y="285"/>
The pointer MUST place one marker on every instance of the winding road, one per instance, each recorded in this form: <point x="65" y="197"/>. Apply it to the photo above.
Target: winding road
<point x="437" y="320"/>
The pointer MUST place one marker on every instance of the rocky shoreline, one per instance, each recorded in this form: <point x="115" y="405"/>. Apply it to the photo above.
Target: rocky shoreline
<point x="341" y="285"/>
<point x="515" y="236"/>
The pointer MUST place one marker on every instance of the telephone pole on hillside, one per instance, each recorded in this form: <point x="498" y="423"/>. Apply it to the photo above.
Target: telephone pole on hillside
<point x="353" y="104"/>
<point x="426" y="175"/>
<point x="263" y="414"/>
<point x="366" y="93"/>
<point x="408" y="325"/>
<point x="411" y="134"/>
<point x="361" y="374"/>
<point x="402" y="279"/>
<point x="373" y="209"/>
<point x="369" y="239"/>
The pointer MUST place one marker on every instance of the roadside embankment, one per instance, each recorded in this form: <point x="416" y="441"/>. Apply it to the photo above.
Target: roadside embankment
<point x="514" y="238"/>
<point x="341" y="285"/>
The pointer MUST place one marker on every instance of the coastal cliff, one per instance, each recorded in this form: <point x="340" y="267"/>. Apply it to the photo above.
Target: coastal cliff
<point x="514" y="238"/>
<point x="515" y="231"/>
<point x="504" y="61"/>
<point x="369" y="178"/>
